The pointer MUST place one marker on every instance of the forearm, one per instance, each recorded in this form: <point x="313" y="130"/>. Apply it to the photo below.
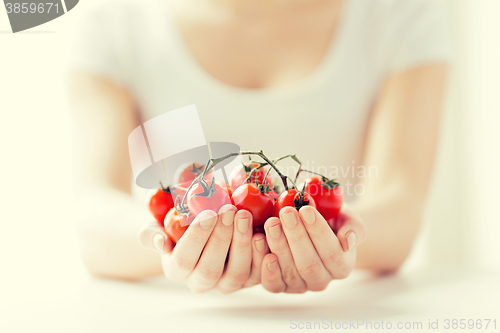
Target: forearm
<point x="108" y="225"/>
<point x="392" y="221"/>
<point x="401" y="142"/>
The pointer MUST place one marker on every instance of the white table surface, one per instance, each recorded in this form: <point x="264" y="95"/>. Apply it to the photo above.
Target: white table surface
<point x="85" y="304"/>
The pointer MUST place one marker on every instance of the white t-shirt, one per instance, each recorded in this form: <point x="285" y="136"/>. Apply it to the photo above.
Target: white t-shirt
<point x="322" y="118"/>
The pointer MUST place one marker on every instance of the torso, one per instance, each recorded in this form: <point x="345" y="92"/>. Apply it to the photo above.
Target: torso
<point x="298" y="84"/>
<point x="305" y="90"/>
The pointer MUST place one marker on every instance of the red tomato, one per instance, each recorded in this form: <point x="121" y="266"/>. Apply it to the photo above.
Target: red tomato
<point x="180" y="189"/>
<point x="293" y="198"/>
<point x="228" y="189"/>
<point x="187" y="173"/>
<point x="160" y="203"/>
<point x="176" y="224"/>
<point x="251" y="198"/>
<point x="259" y="229"/>
<point x="208" y="196"/>
<point x="327" y="195"/>
<point x="274" y="195"/>
<point x="239" y="175"/>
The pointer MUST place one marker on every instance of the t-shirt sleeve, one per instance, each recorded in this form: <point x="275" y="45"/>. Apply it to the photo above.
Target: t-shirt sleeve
<point x="421" y="34"/>
<point x="97" y="44"/>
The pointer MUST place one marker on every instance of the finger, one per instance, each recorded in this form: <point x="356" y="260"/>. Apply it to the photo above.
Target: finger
<point x="271" y="274"/>
<point x="209" y="269"/>
<point x="187" y="252"/>
<point x="352" y="231"/>
<point x="240" y="254"/>
<point x="279" y="246"/>
<point x="153" y="237"/>
<point x="326" y="243"/>
<point x="259" y="251"/>
<point x="306" y="258"/>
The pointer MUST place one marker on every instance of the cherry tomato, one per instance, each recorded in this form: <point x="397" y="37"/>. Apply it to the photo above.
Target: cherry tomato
<point x="259" y="229"/>
<point x="176" y="224"/>
<point x="187" y="173"/>
<point x="294" y="199"/>
<point x="253" y="199"/>
<point x="239" y="175"/>
<point x="228" y="189"/>
<point x="327" y="195"/>
<point x="207" y="196"/>
<point x="274" y="195"/>
<point x="180" y="189"/>
<point x="160" y="203"/>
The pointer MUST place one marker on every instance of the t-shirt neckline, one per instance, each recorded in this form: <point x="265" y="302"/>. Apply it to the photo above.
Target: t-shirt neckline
<point x="208" y="81"/>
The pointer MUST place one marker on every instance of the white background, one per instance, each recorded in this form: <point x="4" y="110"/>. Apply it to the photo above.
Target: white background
<point x="41" y="273"/>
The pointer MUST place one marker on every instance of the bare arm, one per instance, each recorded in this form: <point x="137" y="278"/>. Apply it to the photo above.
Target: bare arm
<point x="109" y="220"/>
<point x="403" y="134"/>
<point x="402" y="142"/>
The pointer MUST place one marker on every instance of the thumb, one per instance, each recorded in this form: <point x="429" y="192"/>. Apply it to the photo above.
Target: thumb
<point x="153" y="237"/>
<point x="352" y="230"/>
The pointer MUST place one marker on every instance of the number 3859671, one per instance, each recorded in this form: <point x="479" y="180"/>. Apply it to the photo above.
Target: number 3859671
<point x="32" y="8"/>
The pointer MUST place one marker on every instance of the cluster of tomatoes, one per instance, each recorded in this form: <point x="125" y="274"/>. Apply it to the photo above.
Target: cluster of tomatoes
<point x="251" y="188"/>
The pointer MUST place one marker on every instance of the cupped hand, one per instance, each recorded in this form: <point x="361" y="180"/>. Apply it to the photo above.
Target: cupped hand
<point x="199" y="258"/>
<point x="306" y="253"/>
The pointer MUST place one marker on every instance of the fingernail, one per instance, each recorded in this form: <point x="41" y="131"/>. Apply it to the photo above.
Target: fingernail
<point x="308" y="215"/>
<point x="206" y="220"/>
<point x="260" y="245"/>
<point x="271" y="266"/>
<point x="290" y="220"/>
<point x="275" y="231"/>
<point x="228" y="217"/>
<point x="159" y="242"/>
<point x="242" y="225"/>
<point x="351" y="240"/>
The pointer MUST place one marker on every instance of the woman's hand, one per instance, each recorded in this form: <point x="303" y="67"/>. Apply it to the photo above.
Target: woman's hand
<point x="306" y="253"/>
<point x="199" y="258"/>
